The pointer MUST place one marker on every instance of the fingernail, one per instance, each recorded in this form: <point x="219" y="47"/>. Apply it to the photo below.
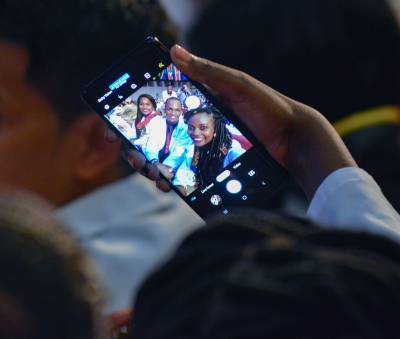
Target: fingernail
<point x="182" y="54"/>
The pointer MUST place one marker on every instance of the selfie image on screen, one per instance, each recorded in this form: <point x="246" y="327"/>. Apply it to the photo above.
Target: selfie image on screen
<point x="173" y="124"/>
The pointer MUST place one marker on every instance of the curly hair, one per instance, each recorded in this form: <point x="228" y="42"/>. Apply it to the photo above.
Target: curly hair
<point x="209" y="159"/>
<point x="69" y="43"/>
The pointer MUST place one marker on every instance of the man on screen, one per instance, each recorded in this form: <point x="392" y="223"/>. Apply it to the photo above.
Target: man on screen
<point x="176" y="140"/>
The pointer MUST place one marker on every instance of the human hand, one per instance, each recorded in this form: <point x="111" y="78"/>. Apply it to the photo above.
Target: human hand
<point x="152" y="171"/>
<point x="138" y="162"/>
<point x="296" y="136"/>
<point x="166" y="171"/>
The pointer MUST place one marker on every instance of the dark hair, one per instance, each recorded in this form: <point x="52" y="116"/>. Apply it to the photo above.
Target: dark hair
<point x="47" y="288"/>
<point x="139" y="115"/>
<point x="172" y="98"/>
<point x="209" y="159"/>
<point x="339" y="56"/>
<point x="70" y="43"/>
<point x="259" y="276"/>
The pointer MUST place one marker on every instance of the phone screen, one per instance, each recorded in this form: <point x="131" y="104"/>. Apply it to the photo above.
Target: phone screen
<point x="207" y="158"/>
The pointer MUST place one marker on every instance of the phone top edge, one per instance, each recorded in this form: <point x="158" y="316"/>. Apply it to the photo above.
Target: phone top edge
<point x="147" y="41"/>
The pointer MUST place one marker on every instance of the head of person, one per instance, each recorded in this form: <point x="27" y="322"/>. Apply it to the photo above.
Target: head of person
<point x="339" y="56"/>
<point x="173" y="110"/>
<point x="212" y="140"/>
<point x="146" y="105"/>
<point x="206" y="126"/>
<point x="169" y="89"/>
<point x="253" y="276"/>
<point x="50" y="141"/>
<point x="47" y="287"/>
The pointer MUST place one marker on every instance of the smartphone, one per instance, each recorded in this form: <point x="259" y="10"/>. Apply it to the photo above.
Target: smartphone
<point x="209" y="158"/>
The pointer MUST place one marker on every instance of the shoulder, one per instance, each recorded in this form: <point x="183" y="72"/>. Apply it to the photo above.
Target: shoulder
<point x="182" y="128"/>
<point x="157" y="120"/>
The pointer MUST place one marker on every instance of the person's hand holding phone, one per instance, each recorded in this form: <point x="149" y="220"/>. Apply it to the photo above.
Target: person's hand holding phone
<point x="296" y="136"/>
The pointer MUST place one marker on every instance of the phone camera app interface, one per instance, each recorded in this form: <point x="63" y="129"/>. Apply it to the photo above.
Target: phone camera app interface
<point x="174" y="125"/>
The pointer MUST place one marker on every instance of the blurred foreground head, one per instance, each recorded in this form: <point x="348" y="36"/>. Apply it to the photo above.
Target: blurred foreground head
<point x="50" y="141"/>
<point x="47" y="289"/>
<point x="272" y="277"/>
<point x="339" y="56"/>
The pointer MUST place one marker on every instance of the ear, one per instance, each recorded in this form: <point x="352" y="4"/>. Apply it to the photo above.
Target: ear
<point x="95" y="156"/>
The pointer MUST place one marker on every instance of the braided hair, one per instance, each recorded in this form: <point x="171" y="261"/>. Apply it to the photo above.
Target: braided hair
<point x="139" y="115"/>
<point x="209" y="159"/>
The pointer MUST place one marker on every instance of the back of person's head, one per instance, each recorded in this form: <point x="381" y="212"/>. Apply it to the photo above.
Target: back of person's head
<point x="272" y="277"/>
<point x="47" y="288"/>
<point x="339" y="56"/>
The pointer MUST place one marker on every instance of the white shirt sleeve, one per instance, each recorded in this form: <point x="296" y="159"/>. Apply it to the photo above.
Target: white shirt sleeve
<point x="349" y="198"/>
<point x="157" y="134"/>
<point x="153" y="139"/>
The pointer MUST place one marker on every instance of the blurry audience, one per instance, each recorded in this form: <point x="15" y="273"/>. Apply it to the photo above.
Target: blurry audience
<point x="53" y="144"/>
<point x="47" y="287"/>
<point x="265" y="276"/>
<point x="338" y="56"/>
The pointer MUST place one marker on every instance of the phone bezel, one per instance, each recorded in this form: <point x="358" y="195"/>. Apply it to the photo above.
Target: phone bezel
<point x="164" y="51"/>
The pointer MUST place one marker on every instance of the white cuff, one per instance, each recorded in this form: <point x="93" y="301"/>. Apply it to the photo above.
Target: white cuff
<point x="349" y="198"/>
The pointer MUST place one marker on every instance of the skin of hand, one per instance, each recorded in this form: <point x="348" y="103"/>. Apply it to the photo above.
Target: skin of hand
<point x="297" y="136"/>
<point x="166" y="171"/>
